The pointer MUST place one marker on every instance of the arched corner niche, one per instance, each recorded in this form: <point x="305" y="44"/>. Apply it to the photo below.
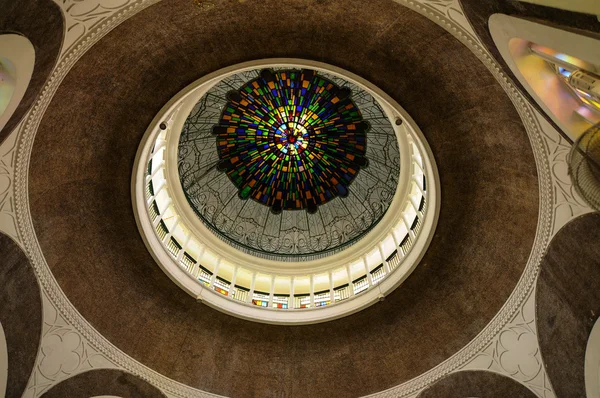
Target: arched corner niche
<point x="592" y="362"/>
<point x="547" y="60"/>
<point x="476" y="383"/>
<point x="567" y="307"/>
<point x="17" y="59"/>
<point x="3" y="361"/>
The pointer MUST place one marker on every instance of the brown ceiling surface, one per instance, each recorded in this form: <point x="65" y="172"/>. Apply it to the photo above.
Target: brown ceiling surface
<point x="568" y="302"/>
<point x="477" y="383"/>
<point x="20" y="314"/>
<point x="82" y="163"/>
<point x="41" y="22"/>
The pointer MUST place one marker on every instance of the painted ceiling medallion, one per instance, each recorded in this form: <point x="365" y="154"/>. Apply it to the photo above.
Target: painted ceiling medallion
<point x="289" y="164"/>
<point x="291" y="140"/>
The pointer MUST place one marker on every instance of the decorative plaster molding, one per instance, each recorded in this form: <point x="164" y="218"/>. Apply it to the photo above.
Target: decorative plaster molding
<point x="567" y="204"/>
<point x="8" y="219"/>
<point x="81" y="17"/>
<point x="450" y="10"/>
<point x="63" y="353"/>
<point x="66" y="330"/>
<point x="515" y="352"/>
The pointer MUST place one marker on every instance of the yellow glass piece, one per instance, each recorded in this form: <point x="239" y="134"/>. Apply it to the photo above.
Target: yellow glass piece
<point x="550" y="52"/>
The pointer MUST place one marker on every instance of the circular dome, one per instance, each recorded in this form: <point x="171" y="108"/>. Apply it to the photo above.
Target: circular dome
<point x="277" y="162"/>
<point x="285" y="191"/>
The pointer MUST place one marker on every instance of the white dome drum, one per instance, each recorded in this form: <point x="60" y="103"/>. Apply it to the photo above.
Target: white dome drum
<point x="285" y="191"/>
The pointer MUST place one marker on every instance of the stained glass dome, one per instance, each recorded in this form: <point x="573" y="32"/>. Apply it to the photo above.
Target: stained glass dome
<point x="291" y="140"/>
<point x="288" y="164"/>
<point x="285" y="191"/>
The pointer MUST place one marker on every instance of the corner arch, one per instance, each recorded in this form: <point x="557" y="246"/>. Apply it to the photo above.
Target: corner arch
<point x="476" y="383"/>
<point x="20" y="314"/>
<point x="568" y="302"/>
<point x="104" y="382"/>
<point x="42" y="23"/>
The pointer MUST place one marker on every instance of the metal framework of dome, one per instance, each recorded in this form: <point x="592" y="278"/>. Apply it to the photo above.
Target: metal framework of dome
<point x="584" y="166"/>
<point x="288" y="164"/>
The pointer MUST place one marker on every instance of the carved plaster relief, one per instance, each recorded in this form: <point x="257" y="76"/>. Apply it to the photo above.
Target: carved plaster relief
<point x="63" y="353"/>
<point x="515" y="352"/>
<point x="8" y="221"/>
<point x="82" y="16"/>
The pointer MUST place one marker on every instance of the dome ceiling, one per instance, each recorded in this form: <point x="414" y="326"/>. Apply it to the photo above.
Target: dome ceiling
<point x="485" y="232"/>
<point x="74" y="220"/>
<point x="288" y="140"/>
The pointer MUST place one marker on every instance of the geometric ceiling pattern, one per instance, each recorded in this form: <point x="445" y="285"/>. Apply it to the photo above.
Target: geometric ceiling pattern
<point x="507" y="345"/>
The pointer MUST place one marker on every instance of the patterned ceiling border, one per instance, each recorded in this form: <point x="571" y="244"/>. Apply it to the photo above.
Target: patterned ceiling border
<point x="100" y="19"/>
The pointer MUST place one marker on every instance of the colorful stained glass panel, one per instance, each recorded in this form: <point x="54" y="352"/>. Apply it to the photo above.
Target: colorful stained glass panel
<point x="291" y="140"/>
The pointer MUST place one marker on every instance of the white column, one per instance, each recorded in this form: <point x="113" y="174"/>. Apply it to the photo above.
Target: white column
<point x="161" y="212"/>
<point x="386" y="266"/>
<point x="170" y="233"/>
<point x="369" y="276"/>
<point x="160" y="188"/>
<point x="183" y="247"/>
<point x="166" y="205"/>
<point x="395" y="241"/>
<point x="291" y="299"/>
<point x="416" y="162"/>
<point x="411" y="233"/>
<point x="271" y="292"/>
<point x="350" y="286"/>
<point x="312" y="291"/>
<point x="214" y="275"/>
<point x="196" y="267"/>
<point x="159" y="144"/>
<point x="331" y="287"/>
<point x="419" y="185"/>
<point x="156" y="192"/>
<point x="158" y="168"/>
<point x="251" y="292"/>
<point x="415" y="205"/>
<point x="232" y="288"/>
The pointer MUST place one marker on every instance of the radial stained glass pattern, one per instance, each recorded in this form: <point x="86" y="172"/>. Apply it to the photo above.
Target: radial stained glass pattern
<point x="291" y="140"/>
<point x="239" y="202"/>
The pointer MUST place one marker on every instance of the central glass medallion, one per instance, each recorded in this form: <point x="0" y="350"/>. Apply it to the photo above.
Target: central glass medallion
<point x="291" y="140"/>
